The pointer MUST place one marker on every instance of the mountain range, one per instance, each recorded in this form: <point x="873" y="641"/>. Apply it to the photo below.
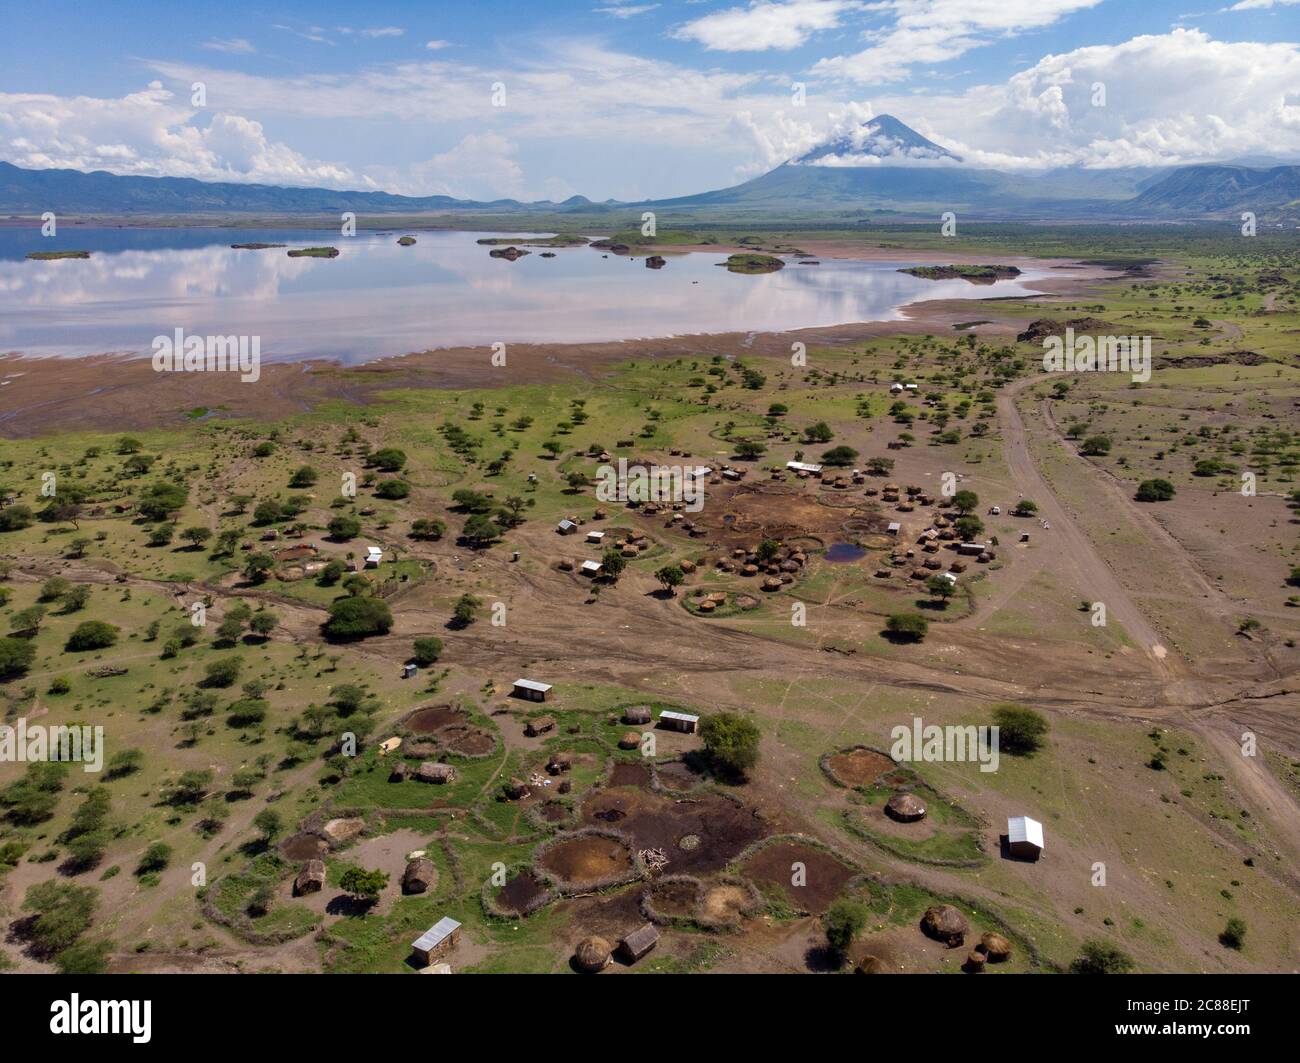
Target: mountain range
<point x="880" y="166"/>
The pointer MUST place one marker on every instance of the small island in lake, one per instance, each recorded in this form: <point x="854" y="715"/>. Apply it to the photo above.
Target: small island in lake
<point x="972" y="273"/>
<point x="314" y="252"/>
<point x="50" y="256"/>
<point x="254" y="247"/>
<point x="752" y="262"/>
<point x="406" y="241"/>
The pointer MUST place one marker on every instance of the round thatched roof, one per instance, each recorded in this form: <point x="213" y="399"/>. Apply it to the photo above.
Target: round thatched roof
<point x="975" y="961"/>
<point x="419" y="875"/>
<point x="905" y="807"/>
<point x="996" y="947"/>
<point x="592" y="954"/>
<point x="629" y="740"/>
<point x="944" y="923"/>
<point x="871" y="965"/>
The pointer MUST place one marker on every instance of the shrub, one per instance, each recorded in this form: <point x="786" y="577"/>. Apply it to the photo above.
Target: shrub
<point x="357" y="618"/>
<point x="91" y="635"/>
<point x="1020" y="729"/>
<point x="343" y="527"/>
<point x="1101" y="957"/>
<point x="16" y="656"/>
<point x="730" y="742"/>
<point x="907" y="627"/>
<point x="1154" y="491"/>
<point x="427" y="651"/>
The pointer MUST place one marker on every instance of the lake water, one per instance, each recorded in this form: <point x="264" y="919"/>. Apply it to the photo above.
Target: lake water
<point x="378" y="299"/>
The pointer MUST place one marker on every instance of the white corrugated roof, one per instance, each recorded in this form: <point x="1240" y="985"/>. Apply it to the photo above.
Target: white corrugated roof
<point x="668" y="714"/>
<point x="802" y="466"/>
<point x="591" y="566"/>
<point x="436" y="934"/>
<point x="532" y="684"/>
<point x="1024" y="829"/>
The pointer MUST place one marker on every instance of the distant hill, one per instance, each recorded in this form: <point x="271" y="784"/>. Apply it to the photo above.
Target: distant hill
<point x="1212" y="189"/>
<point x="99" y="192"/>
<point x="881" y="166"/>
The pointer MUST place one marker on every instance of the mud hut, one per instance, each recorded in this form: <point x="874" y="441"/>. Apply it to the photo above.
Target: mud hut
<point x="974" y="962"/>
<point x="639" y="942"/>
<point x="419" y="876"/>
<point x="905" y="807"/>
<point x="539" y="725"/>
<point x="401" y="770"/>
<point x="636" y="714"/>
<point x="592" y="954"/>
<point x="559" y="762"/>
<point x="310" y="879"/>
<point x="629" y="740"/>
<point x="435" y="773"/>
<point x="871" y="965"/>
<point x="996" y="947"/>
<point x="945" y="923"/>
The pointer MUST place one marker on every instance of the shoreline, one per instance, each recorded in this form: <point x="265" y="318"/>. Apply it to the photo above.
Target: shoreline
<point x="116" y="391"/>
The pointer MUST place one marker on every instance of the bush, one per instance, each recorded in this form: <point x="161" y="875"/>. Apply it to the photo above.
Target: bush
<point x="1234" y="934"/>
<point x="839" y="457"/>
<point x="427" y="651"/>
<point x="304" y="476"/>
<point x="63" y="914"/>
<point x="91" y="635"/>
<point x="1101" y="957"/>
<point x="392" y="489"/>
<point x="1154" y="491"/>
<point x="342" y="527"/>
<point x="160" y="499"/>
<point x="844" y="920"/>
<point x="730" y="742"/>
<point x="1020" y="729"/>
<point x="16" y="518"/>
<point x="16" y="656"/>
<point x="907" y="627"/>
<point x="357" y="618"/>
<point x="222" y="673"/>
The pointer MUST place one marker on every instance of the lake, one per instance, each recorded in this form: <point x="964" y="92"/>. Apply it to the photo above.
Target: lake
<point x="378" y="299"/>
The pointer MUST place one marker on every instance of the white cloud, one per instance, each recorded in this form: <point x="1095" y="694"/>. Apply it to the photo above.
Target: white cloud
<point x="382" y="31"/>
<point x="1256" y="5"/>
<point x="481" y="166"/>
<point x="437" y="46"/>
<point x="934" y="31"/>
<point x="151" y="133"/>
<point x="231" y="46"/>
<point x="622" y="9"/>
<point x="1174" y="98"/>
<point x="765" y="24"/>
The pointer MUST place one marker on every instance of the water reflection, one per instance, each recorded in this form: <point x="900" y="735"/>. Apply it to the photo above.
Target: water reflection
<point x="378" y="299"/>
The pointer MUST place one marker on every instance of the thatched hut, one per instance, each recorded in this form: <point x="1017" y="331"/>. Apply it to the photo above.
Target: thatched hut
<point x="400" y="772"/>
<point x="560" y="762"/>
<point x="945" y="923"/>
<point x="636" y="714"/>
<point x="629" y="740"/>
<point x="435" y="773"/>
<point x="974" y="962"/>
<point x="419" y="876"/>
<point x="516" y="789"/>
<point x="871" y="965"/>
<point x="310" y="879"/>
<point x="592" y="954"/>
<point x="905" y="807"/>
<point x="996" y="947"/>
<point x="539" y="725"/>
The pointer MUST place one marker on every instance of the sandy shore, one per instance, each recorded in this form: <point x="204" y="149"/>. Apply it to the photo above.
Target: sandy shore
<point x="114" y="393"/>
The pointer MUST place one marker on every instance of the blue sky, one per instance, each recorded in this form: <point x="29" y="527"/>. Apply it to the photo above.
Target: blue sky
<point x="625" y="98"/>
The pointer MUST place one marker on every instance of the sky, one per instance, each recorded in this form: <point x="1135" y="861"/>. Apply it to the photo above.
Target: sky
<point x="631" y="99"/>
